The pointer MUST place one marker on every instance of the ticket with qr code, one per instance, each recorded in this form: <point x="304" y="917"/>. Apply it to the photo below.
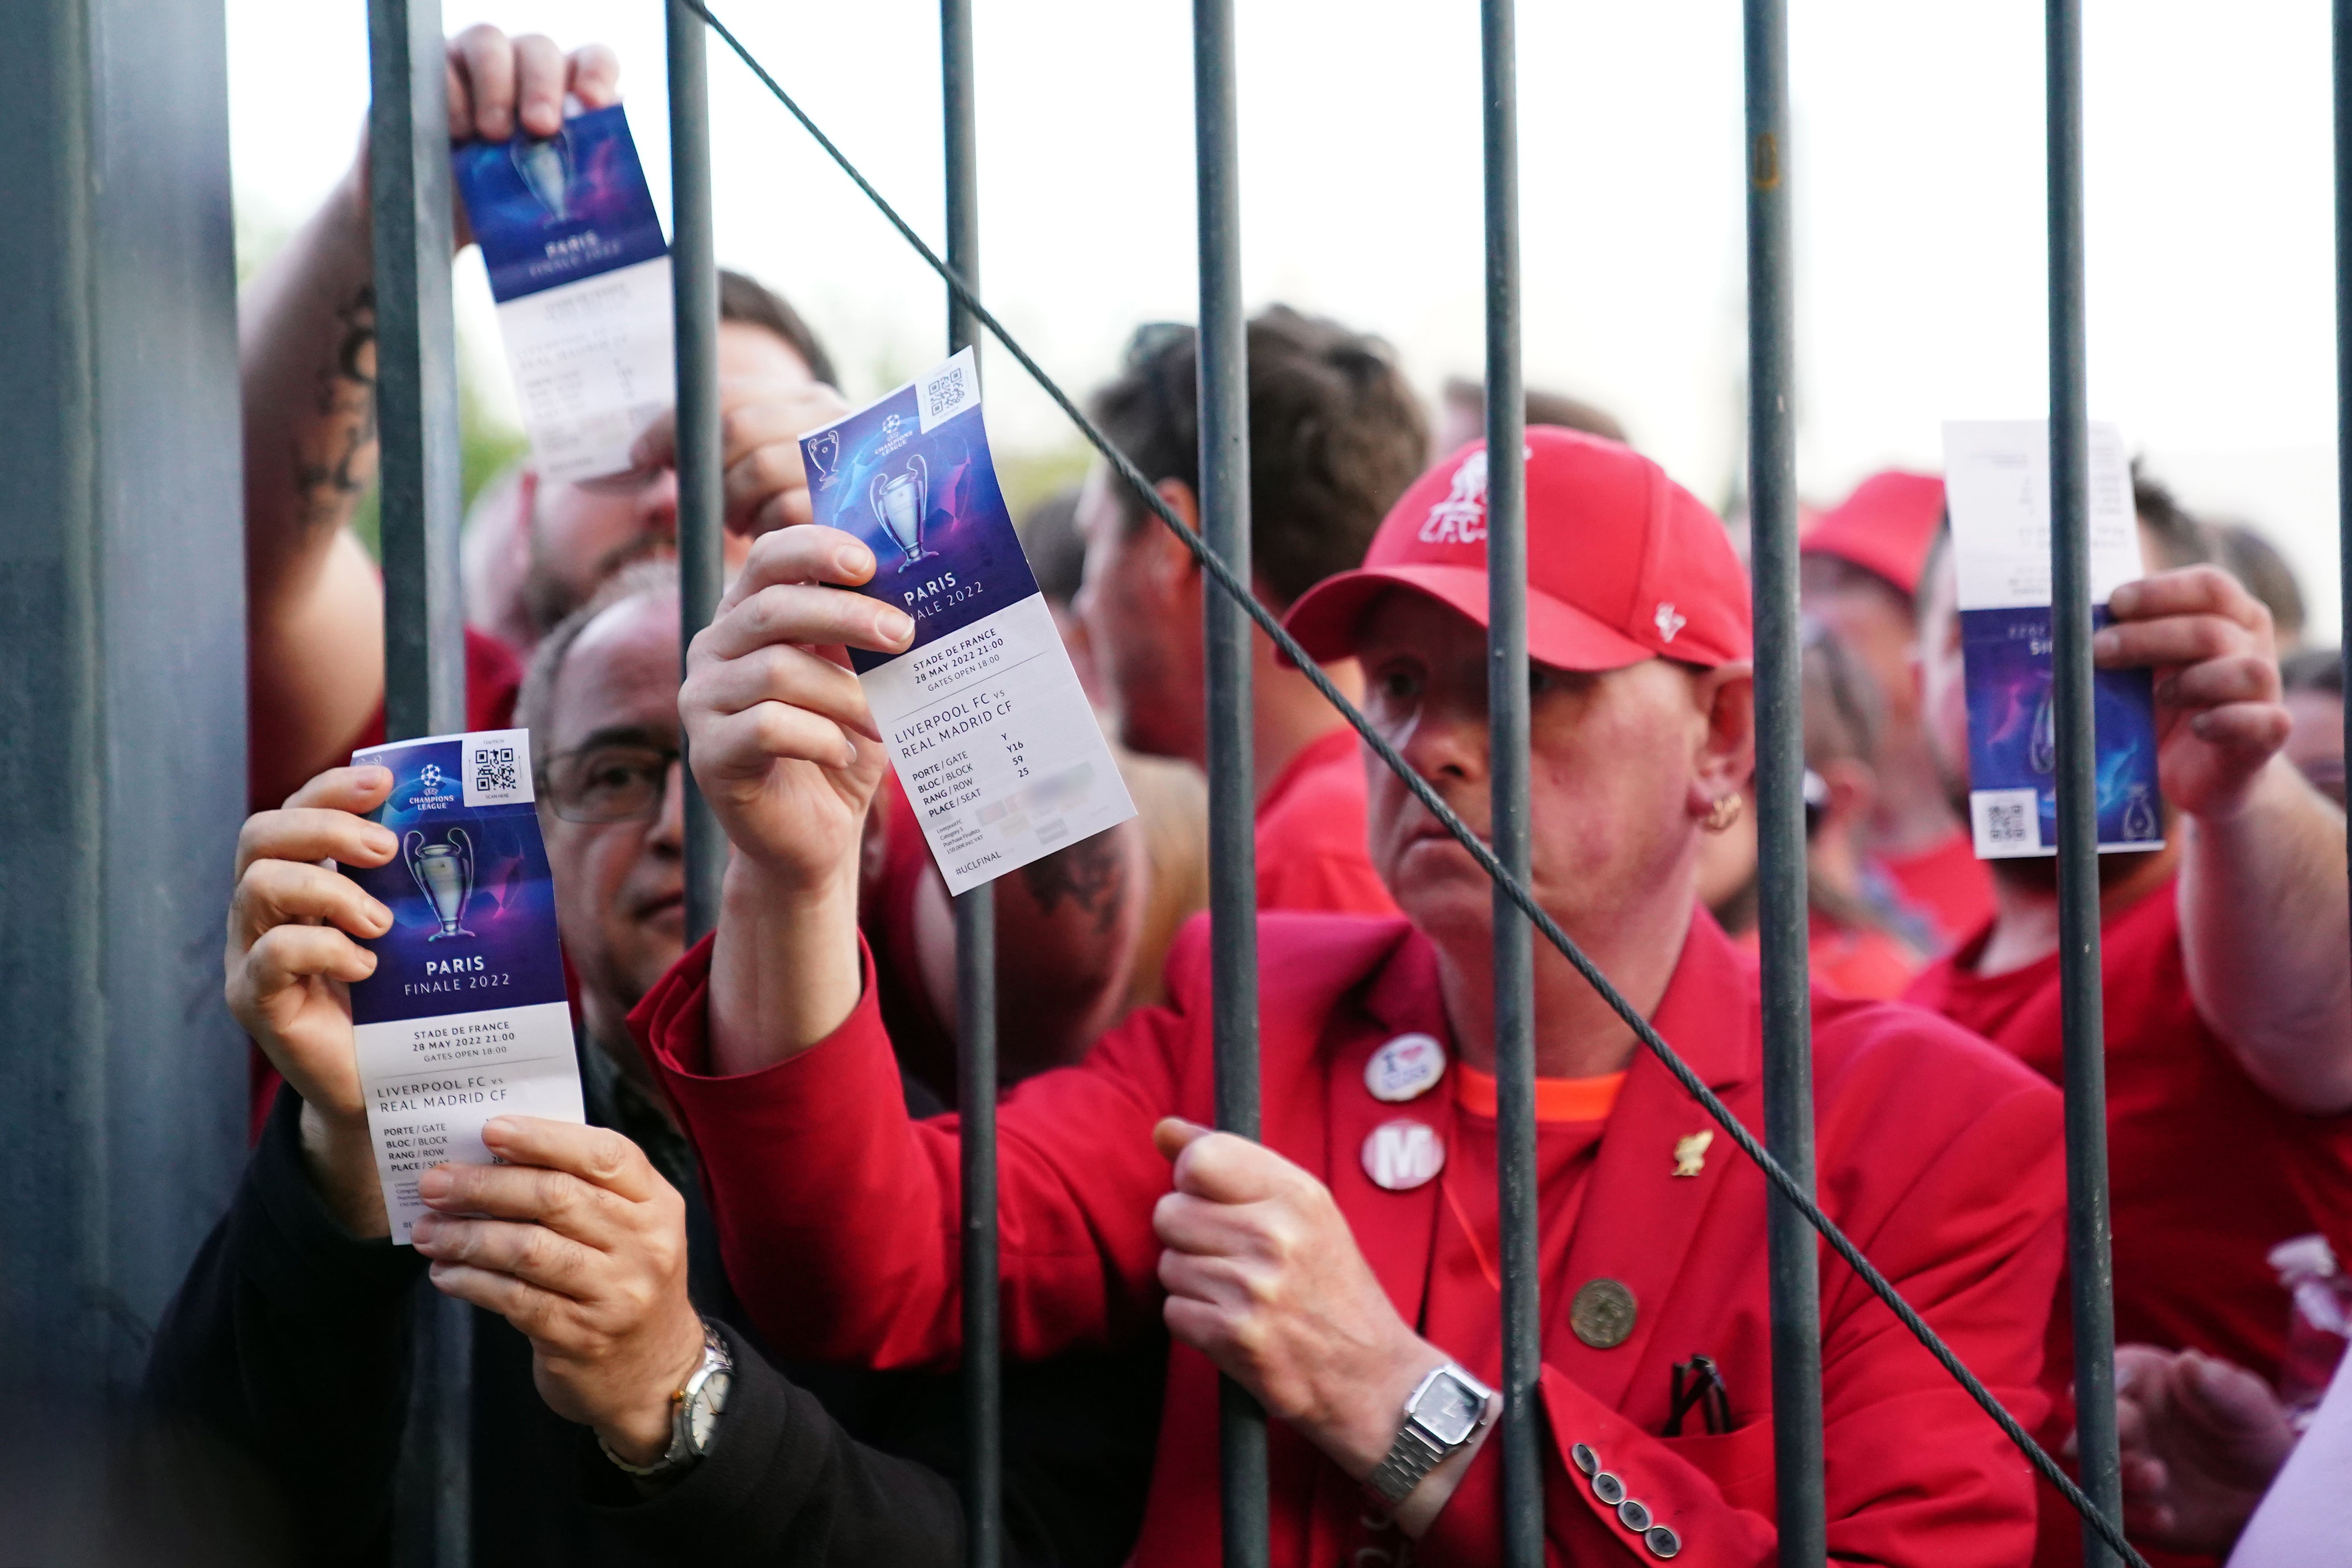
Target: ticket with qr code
<point x="581" y="274"/>
<point x="465" y="1017"/>
<point x="1997" y="485"/>
<point x="983" y="717"/>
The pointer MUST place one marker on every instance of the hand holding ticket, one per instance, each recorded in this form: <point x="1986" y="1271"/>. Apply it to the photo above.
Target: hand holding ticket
<point x="982" y="715"/>
<point x="463" y="1016"/>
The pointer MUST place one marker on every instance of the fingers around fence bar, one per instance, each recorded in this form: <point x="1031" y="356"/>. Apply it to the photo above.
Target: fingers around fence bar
<point x="2089" y="1266"/>
<point x="1783" y="919"/>
<point x="1224" y="459"/>
<point x="693" y="287"/>
<point x="425" y="650"/>
<point x="1507" y="720"/>
<point x="976" y="1068"/>
<point x="1228" y="584"/>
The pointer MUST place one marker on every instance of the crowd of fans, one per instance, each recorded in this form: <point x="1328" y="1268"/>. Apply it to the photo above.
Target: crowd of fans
<point x="767" y="1173"/>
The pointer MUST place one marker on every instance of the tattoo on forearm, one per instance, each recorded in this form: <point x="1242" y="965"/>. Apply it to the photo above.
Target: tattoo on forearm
<point x="335" y="459"/>
<point x="1090" y="872"/>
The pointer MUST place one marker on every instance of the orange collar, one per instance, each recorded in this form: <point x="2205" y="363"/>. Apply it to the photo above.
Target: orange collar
<point x="1557" y="1099"/>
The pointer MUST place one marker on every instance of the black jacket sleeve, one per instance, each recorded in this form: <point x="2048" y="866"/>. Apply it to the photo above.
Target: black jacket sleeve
<point x="784" y="1487"/>
<point x="287" y="1346"/>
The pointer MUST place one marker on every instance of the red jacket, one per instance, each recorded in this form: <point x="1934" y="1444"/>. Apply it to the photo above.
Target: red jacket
<point x="1938" y="1154"/>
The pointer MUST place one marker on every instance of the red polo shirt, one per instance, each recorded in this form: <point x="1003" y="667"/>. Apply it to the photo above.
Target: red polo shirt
<point x="1947" y="885"/>
<point x="1310" y="834"/>
<point x="838" y="1219"/>
<point x="2206" y="1172"/>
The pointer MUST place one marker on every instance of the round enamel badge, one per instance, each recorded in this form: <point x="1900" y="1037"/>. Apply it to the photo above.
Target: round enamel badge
<point x="1400" y="1155"/>
<point x="1405" y="1069"/>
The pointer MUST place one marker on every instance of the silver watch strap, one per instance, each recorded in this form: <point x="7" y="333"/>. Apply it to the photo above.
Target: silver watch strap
<point x="1411" y="1456"/>
<point x="680" y="1455"/>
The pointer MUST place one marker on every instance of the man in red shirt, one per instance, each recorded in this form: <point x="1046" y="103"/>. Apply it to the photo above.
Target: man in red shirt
<point x="1335" y="437"/>
<point x="1344" y="1272"/>
<point x="307" y="365"/>
<point x="2229" y="1001"/>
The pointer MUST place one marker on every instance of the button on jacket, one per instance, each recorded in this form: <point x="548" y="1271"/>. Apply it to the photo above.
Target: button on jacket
<point x="1938" y="1154"/>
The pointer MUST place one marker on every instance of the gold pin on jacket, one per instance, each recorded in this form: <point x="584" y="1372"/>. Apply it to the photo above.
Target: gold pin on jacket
<point x="1690" y="1153"/>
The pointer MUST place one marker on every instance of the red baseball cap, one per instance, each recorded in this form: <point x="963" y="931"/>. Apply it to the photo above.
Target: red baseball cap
<point x="1624" y="565"/>
<point x="1885" y="527"/>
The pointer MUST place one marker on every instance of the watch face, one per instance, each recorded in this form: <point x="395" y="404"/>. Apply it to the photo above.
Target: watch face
<point x="1449" y="1412"/>
<point x="702" y="1420"/>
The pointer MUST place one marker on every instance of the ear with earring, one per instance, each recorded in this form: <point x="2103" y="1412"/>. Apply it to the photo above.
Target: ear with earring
<point x="1722" y="811"/>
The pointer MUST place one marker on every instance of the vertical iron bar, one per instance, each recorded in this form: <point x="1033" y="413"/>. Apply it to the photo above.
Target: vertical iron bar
<point x="975" y="911"/>
<point x="1233" y="778"/>
<point x="2089" y="1266"/>
<point x="2343" y="88"/>
<point x="424" y="655"/>
<point x="416" y="371"/>
<point x="694" y="291"/>
<point x="1794" y="1257"/>
<point x="1507" y="720"/>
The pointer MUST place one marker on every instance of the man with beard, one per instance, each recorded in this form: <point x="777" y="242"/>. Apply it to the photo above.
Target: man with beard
<point x="2229" y="1002"/>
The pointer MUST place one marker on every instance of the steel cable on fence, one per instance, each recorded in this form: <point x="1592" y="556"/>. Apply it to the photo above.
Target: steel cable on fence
<point x="1219" y="571"/>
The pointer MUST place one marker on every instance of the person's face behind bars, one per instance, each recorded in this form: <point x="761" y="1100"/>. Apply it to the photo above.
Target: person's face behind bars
<point x="1624" y="764"/>
<point x="612" y="731"/>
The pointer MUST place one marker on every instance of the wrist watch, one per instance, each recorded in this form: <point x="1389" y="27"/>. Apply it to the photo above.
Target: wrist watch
<point x="694" y="1412"/>
<point x="1444" y="1413"/>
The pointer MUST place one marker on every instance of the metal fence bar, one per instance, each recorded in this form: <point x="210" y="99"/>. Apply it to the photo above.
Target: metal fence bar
<point x="1794" y="1253"/>
<point x="1232" y="585"/>
<point x="2089" y="1266"/>
<point x="424" y="661"/>
<point x="694" y="291"/>
<point x="976" y="914"/>
<point x="1508" y="721"/>
<point x="1224" y="500"/>
<point x="2343" y="92"/>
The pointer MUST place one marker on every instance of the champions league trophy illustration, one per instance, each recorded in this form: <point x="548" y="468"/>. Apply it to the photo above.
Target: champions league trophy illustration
<point x="899" y="500"/>
<point x="2141" y="825"/>
<point x="546" y="171"/>
<point x="445" y="874"/>
<point x="2042" y="752"/>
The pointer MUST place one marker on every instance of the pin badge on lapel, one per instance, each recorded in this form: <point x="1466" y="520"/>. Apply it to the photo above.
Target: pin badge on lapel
<point x="1601" y="1313"/>
<point x="1405" y="1069"/>
<point x="1400" y="1155"/>
<point x="1690" y="1153"/>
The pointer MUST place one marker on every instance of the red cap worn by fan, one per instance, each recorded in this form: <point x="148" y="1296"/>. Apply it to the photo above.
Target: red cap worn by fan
<point x="1624" y="565"/>
<point x="1885" y="527"/>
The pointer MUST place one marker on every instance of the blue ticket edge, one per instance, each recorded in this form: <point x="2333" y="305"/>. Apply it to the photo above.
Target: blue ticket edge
<point x="928" y="503"/>
<point x="553" y="211"/>
<point x="507" y="950"/>
<point x="2012" y="743"/>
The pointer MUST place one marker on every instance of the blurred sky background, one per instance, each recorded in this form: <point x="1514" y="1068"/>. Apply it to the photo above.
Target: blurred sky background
<point x="1915" y="167"/>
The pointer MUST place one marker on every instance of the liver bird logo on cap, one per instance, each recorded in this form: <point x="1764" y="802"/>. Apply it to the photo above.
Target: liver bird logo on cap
<point x="1461" y="517"/>
<point x="1669" y="623"/>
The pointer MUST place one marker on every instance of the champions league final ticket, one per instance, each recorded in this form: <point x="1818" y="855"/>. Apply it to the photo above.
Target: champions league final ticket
<point x="982" y="716"/>
<point x="465" y="1017"/>
<point x="581" y="275"/>
<point x="1996" y="482"/>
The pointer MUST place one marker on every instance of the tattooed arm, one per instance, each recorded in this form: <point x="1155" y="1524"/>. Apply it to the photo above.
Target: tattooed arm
<point x="1067" y="933"/>
<point x="314" y="605"/>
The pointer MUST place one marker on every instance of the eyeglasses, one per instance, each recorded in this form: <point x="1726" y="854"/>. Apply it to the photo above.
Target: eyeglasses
<point x="607" y="784"/>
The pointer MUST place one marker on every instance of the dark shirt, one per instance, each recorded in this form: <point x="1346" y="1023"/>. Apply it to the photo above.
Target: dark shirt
<point x="288" y="1343"/>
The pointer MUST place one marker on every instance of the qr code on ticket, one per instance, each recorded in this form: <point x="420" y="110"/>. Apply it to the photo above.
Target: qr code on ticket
<point x="2007" y="821"/>
<point x="949" y="390"/>
<point x="498" y="768"/>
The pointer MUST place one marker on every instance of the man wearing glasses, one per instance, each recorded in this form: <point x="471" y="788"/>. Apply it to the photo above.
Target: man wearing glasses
<point x="286" y="1342"/>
